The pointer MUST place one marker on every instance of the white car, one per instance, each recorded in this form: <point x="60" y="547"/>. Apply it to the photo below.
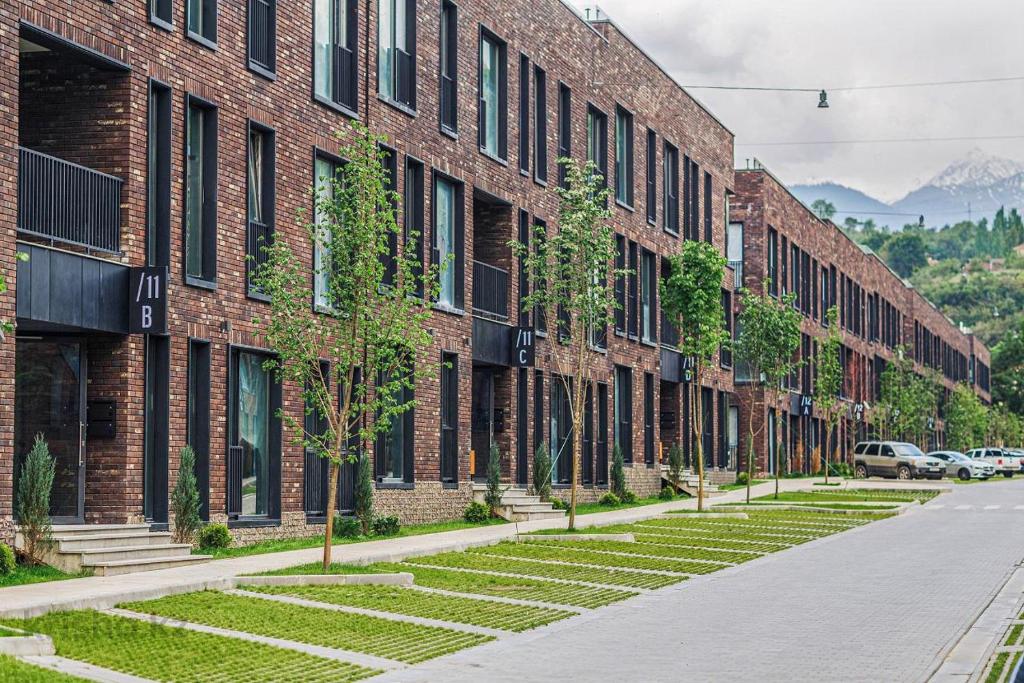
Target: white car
<point x="960" y="466"/>
<point x="1006" y="464"/>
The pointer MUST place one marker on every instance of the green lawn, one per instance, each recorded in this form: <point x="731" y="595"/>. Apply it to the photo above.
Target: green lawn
<point x="735" y="487"/>
<point x="847" y="495"/>
<point x="24" y="574"/>
<point x="591" y="508"/>
<point x="705" y="542"/>
<point x="829" y="505"/>
<point x="12" y="669"/>
<point x="583" y="555"/>
<point x="162" y="653"/>
<point x="404" y="642"/>
<point x="677" y="552"/>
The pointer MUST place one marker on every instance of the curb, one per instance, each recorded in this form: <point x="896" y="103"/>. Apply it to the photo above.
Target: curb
<point x="540" y="538"/>
<point x="397" y="579"/>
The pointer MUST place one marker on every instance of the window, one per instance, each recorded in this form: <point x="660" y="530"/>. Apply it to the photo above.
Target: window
<point x="624" y="411"/>
<point x="396" y="51"/>
<point x="772" y="440"/>
<point x="493" y="123"/>
<point x="687" y="199"/>
<point x="449" y="418"/>
<point x="725" y="351"/>
<point x="449" y="67"/>
<point x="670" y="180"/>
<point x="524" y="278"/>
<point x="652" y="177"/>
<point x="158" y="181"/>
<point x="773" y="262"/>
<point x="161" y="13"/>
<point x="540" y="316"/>
<point x="601" y="466"/>
<point x="734" y="252"/>
<point x="448" y="241"/>
<point x="201" y="19"/>
<point x="588" y="435"/>
<point x="707" y="207"/>
<point x="538" y="410"/>
<point x="200" y="192"/>
<point x="389" y="162"/>
<point x="254" y="442"/>
<point x="564" y="128"/>
<point x="648" y="297"/>
<point x="540" y="123"/>
<point x="562" y="441"/>
<point x="335" y="64"/>
<point x="325" y="170"/>
<point x="633" y="294"/>
<point x="648" y="418"/>
<point x="620" y="285"/>
<point x="597" y="142"/>
<point x="623" y="157"/>
<point x="260" y="180"/>
<point x="263" y="36"/>
<point x="413" y="219"/>
<point x="524" y="114"/>
<point x="784" y="275"/>
<point x="522" y="427"/>
<point x="155" y="465"/>
<point x="394" y="446"/>
<point x="694" y="203"/>
<point x="198" y="427"/>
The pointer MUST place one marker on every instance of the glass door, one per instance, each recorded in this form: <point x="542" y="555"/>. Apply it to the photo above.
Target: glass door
<point x="50" y="402"/>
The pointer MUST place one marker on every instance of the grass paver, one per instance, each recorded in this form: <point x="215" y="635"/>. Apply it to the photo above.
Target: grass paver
<point x="711" y="534"/>
<point x="676" y="552"/>
<point x="1013" y="637"/>
<point x="541" y="551"/>
<point x="489" y="614"/>
<point x="567" y="572"/>
<point x="837" y="496"/>
<point x="827" y="505"/>
<point x="1002" y="664"/>
<point x="12" y="670"/>
<point x="163" y="653"/>
<point x="400" y="641"/>
<point x="702" y="542"/>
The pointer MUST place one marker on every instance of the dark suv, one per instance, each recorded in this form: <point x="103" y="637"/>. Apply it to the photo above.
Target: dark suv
<point x="895" y="459"/>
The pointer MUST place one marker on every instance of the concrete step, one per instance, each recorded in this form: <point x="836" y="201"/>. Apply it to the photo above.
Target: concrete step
<point x="68" y="530"/>
<point x="119" y="567"/>
<point x="533" y="516"/>
<point x="78" y="542"/>
<point x="534" y="507"/>
<point x="138" y="552"/>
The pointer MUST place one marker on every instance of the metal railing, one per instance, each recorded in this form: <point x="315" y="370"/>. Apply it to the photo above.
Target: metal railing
<point x="69" y="203"/>
<point x="669" y="334"/>
<point x="490" y="290"/>
<point x="737" y="269"/>
<point x="262" y="33"/>
<point x="258" y="236"/>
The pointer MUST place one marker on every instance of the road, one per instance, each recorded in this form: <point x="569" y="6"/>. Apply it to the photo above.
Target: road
<point x="883" y="602"/>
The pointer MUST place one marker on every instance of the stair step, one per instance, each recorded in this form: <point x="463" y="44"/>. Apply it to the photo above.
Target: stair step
<point x="138" y="552"/>
<point x="77" y="542"/>
<point x="118" y="567"/>
<point x="535" y="507"/>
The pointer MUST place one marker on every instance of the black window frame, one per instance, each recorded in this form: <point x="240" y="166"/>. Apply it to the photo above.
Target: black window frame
<point x="208" y="278"/>
<point x="538" y="410"/>
<point x="156" y="435"/>
<point x="158" y="184"/>
<point x="601" y="439"/>
<point x="648" y="327"/>
<point x="403" y="96"/>
<point x="620" y="285"/>
<point x="523" y="313"/>
<point x="265" y="37"/>
<point x="448" y="69"/>
<point x="459" y="246"/>
<point x="522" y="426"/>
<point x="670" y="188"/>
<point x="625" y="166"/>
<point x="599" y="120"/>
<point x="389" y="163"/>
<point x="406" y="395"/>
<point x="208" y="37"/>
<point x="524" y="114"/>
<point x="414" y="216"/>
<point x="773" y="262"/>
<point x="564" y="129"/>
<point x="540" y="126"/>
<point x="708" y="208"/>
<point x="633" y="292"/>
<point x="343" y="77"/>
<point x="254" y="235"/>
<point x="540" y="314"/>
<point x="161" y="14"/>
<point x="449" y="418"/>
<point x="624" y="417"/>
<point x="725" y="350"/>
<point x="649" y="411"/>
<point x="501" y="154"/>
<point x="197" y="422"/>
<point x="652" y="177"/>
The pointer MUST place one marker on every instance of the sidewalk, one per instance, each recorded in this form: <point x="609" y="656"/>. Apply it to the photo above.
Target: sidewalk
<point x="104" y="592"/>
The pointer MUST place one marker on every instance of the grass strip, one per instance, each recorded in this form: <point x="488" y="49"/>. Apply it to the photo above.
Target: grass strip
<point x="541" y="551"/>
<point x="831" y="506"/>
<point x="498" y="615"/>
<point x="675" y="552"/>
<point x="1013" y="638"/>
<point x="712" y="534"/>
<point x="12" y="669"/>
<point x="702" y="542"/>
<point x="163" y="653"/>
<point x="401" y="641"/>
<point x="42" y="573"/>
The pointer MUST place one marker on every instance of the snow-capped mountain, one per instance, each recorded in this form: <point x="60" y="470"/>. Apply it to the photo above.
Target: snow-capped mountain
<point x="976" y="170"/>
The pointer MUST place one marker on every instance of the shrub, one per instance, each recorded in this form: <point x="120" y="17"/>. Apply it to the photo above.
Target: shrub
<point x="628" y="497"/>
<point x="364" y="493"/>
<point x="35" y="481"/>
<point x="610" y="500"/>
<point x="796" y="474"/>
<point x="667" y="493"/>
<point x="346" y="527"/>
<point x="542" y="473"/>
<point x="7" y="562"/>
<point x="742" y="478"/>
<point x="558" y="504"/>
<point x="494" y="491"/>
<point x="386" y="525"/>
<point x="675" y="464"/>
<point x="840" y="469"/>
<point x="618" y="475"/>
<point x="214" y="536"/>
<point x="476" y="512"/>
<point x="185" y="499"/>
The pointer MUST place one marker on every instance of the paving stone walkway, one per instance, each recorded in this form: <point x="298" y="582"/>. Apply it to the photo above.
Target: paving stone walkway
<point x="884" y="602"/>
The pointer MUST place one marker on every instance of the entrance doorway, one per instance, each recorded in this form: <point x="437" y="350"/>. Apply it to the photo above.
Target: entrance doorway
<point x="482" y="419"/>
<point x="49" y="400"/>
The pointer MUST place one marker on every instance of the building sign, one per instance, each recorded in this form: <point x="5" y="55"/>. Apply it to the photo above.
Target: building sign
<point x="806" y="404"/>
<point x="523" y="347"/>
<point x="686" y="369"/>
<point x="858" y="412"/>
<point x="147" y="300"/>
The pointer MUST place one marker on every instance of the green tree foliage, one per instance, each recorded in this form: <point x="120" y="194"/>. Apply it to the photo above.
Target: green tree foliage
<point x="363" y="503"/>
<point x="966" y="419"/>
<point x="542" y="473"/>
<point x="618" y="473"/>
<point x="185" y="499"/>
<point x="494" y="491"/>
<point x="373" y="323"/>
<point x="908" y="400"/>
<point x="572" y="270"/>
<point x="35" y="481"/>
<point x="824" y="209"/>
<point x="828" y="381"/>
<point x="1005" y="428"/>
<point x="905" y="253"/>
<point x="675" y="465"/>
<point x="691" y="298"/>
<point x="1008" y="371"/>
<point x="767" y="343"/>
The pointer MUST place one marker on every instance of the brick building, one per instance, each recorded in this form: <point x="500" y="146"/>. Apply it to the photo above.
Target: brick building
<point x="786" y="245"/>
<point x="174" y="135"/>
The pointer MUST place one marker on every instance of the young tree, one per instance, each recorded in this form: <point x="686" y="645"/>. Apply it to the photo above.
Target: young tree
<point x="768" y="339"/>
<point x="35" y="482"/>
<point x="185" y="499"/>
<point x="571" y="270"/>
<point x="370" y="322"/>
<point x="965" y="419"/>
<point x="691" y="298"/>
<point x="907" y="400"/>
<point x="829" y="380"/>
<point x="1004" y="427"/>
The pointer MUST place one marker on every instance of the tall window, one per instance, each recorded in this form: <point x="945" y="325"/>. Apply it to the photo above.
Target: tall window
<point x="564" y="128"/>
<point x="335" y="64"/>
<point x="262" y="35"/>
<point x="725" y="351"/>
<point x="200" y="192"/>
<point x="670" y="180"/>
<point x="597" y="142"/>
<point x="538" y="409"/>
<point x="623" y="157"/>
<point x="652" y="177"/>
<point x="413" y="218"/>
<point x="624" y="411"/>
<point x="449" y="66"/>
<point x="734" y="251"/>
<point x="493" y="124"/>
<point x="158" y="181"/>
<point x="389" y="162"/>
<point x="449" y="418"/>
<point x="633" y="295"/>
<point x="448" y="241"/>
<point x="648" y="297"/>
<point x="155" y="464"/>
<point x="201" y="19"/>
<point x="394" y="446"/>
<point x="260" y="178"/>
<point x="254" y="462"/>
<point x="773" y="262"/>
<point x="707" y="207"/>
<point x="161" y="13"/>
<point x="524" y="114"/>
<point x="396" y="51"/>
<point x="620" y="285"/>
<point x="325" y="170"/>
<point x="198" y="427"/>
<point x="540" y="125"/>
<point x="562" y="440"/>
<point x="648" y="418"/>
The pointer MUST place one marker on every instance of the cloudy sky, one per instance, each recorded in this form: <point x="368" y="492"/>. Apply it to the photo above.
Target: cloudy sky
<point x="837" y="43"/>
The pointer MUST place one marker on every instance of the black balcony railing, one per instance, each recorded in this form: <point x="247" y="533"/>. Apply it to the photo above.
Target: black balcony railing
<point x="258" y="237"/>
<point x="262" y="29"/>
<point x="669" y="334"/>
<point x="65" y="202"/>
<point x="737" y="269"/>
<point x="490" y="291"/>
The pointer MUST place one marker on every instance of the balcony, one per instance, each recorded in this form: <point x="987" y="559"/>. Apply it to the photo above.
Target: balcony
<point x="63" y="202"/>
<point x="737" y="268"/>
<point x="669" y="334"/>
<point x="258" y="237"/>
<point x="490" y="291"/>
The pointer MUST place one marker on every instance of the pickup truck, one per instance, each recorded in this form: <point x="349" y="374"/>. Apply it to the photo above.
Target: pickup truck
<point x="1005" y="463"/>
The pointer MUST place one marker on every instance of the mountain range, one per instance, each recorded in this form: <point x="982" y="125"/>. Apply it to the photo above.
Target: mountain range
<point x="974" y="186"/>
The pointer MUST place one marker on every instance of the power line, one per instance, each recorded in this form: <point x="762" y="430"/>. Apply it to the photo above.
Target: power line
<point x="886" y="86"/>
<point x="879" y="141"/>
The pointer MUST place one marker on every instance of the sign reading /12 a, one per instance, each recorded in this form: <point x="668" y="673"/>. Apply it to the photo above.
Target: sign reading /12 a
<point x="523" y="347"/>
<point x="147" y="300"/>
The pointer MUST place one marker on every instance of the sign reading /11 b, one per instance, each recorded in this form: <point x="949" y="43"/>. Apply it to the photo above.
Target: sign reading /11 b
<point x="148" y="300"/>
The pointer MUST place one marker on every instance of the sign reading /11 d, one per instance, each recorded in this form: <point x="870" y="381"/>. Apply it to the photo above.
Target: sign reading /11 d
<point x="148" y="300"/>
<point x="523" y="347"/>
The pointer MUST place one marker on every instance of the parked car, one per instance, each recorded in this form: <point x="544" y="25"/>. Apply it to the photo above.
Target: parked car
<point x="1019" y="454"/>
<point x="1005" y="463"/>
<point x="895" y="459"/>
<point x="960" y="466"/>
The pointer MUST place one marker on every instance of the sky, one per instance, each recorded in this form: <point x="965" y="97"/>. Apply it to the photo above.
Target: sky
<point x="841" y="43"/>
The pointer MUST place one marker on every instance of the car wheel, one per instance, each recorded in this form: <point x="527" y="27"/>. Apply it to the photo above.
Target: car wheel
<point x="861" y="472"/>
<point x="964" y="474"/>
<point x="903" y="473"/>
<point x="1008" y="475"/>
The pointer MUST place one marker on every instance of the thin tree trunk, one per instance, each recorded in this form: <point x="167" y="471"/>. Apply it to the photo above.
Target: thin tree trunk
<point x="828" y="434"/>
<point x="577" y="451"/>
<point x="332" y="501"/>
<point x="778" y="445"/>
<point x="698" y="430"/>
